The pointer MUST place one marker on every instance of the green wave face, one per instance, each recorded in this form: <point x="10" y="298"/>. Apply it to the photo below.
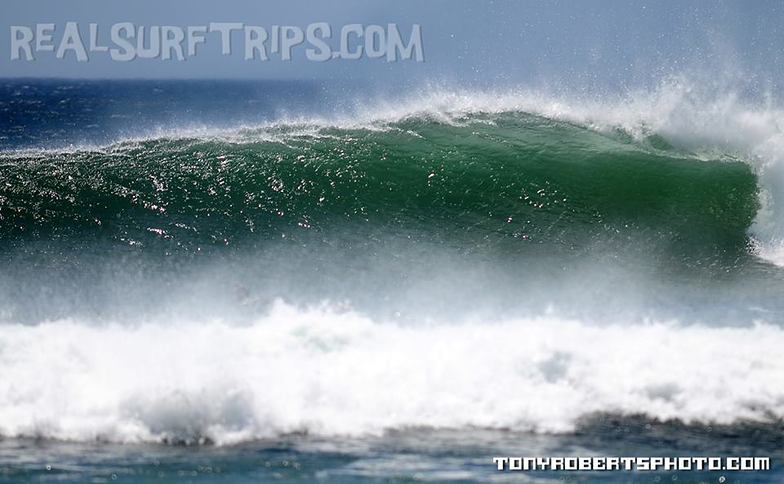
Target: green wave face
<point x="514" y="207"/>
<point x="510" y="180"/>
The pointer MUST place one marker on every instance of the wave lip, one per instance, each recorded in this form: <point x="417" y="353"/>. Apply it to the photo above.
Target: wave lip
<point x="327" y="372"/>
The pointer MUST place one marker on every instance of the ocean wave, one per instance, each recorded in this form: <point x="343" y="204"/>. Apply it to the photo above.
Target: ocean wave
<point x="697" y="118"/>
<point x="508" y="173"/>
<point x="644" y="206"/>
<point x="330" y="372"/>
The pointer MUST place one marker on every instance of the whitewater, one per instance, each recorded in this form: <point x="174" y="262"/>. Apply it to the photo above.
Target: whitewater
<point x="328" y="373"/>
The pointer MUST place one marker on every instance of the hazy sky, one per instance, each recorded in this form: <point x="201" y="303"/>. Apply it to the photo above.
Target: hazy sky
<point x="464" y="41"/>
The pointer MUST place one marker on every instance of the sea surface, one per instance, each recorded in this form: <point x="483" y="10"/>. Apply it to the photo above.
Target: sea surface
<point x="260" y="281"/>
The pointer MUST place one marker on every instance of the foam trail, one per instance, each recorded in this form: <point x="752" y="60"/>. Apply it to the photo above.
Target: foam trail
<point x="338" y="373"/>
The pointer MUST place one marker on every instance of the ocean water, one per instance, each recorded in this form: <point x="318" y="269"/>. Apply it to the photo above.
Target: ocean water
<point x="259" y="281"/>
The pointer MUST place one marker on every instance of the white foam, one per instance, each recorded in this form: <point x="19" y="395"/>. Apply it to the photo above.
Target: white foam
<point x="336" y="373"/>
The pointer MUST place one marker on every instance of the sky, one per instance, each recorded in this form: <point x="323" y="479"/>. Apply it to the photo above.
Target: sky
<point x="479" y="42"/>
